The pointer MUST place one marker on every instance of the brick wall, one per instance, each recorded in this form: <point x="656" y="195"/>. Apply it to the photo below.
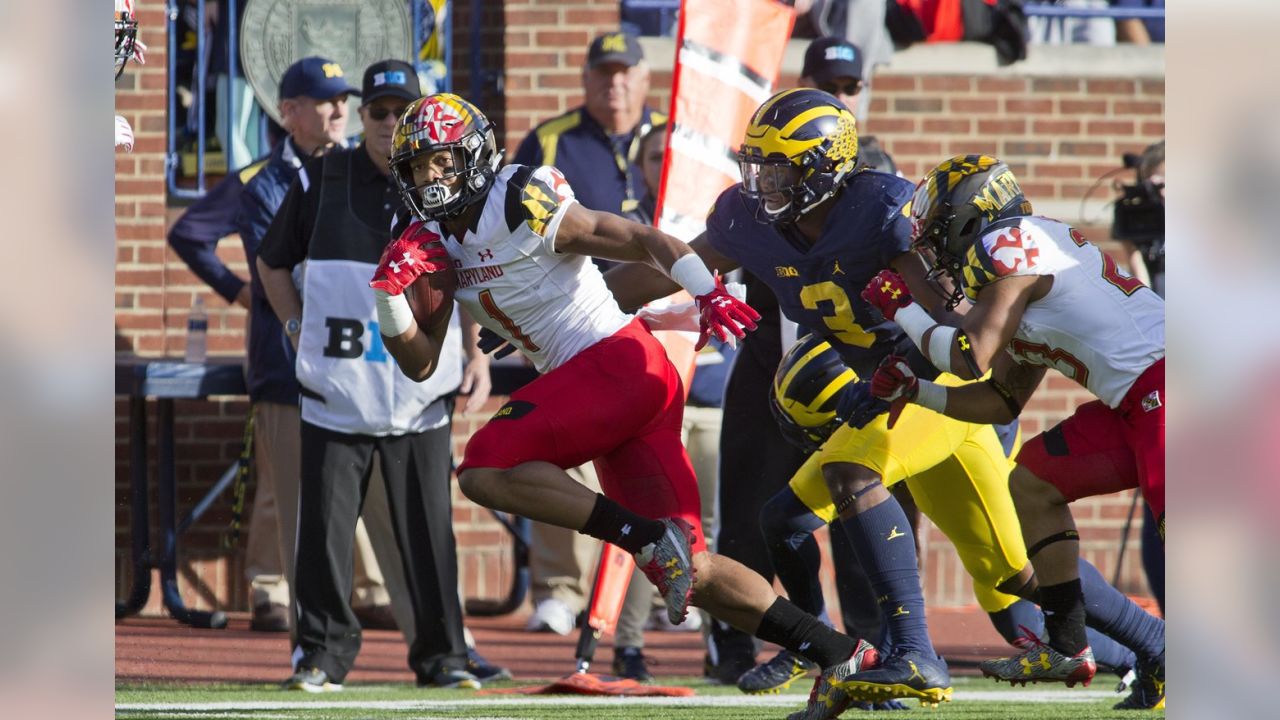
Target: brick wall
<point x="1059" y="132"/>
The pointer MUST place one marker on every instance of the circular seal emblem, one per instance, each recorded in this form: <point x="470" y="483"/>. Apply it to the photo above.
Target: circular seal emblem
<point x="353" y="33"/>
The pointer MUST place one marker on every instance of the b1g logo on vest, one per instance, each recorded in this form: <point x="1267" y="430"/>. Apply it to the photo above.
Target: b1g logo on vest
<point x="347" y="340"/>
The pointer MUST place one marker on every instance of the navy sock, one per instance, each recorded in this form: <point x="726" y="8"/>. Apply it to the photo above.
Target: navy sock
<point x="613" y="523"/>
<point x="1115" y="615"/>
<point x="881" y="537"/>
<point x="1009" y="622"/>
<point x="798" y="631"/>
<point x="788" y="527"/>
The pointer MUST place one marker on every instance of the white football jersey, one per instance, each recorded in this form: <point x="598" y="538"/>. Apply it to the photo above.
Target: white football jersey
<point x="1097" y="325"/>
<point x="549" y="305"/>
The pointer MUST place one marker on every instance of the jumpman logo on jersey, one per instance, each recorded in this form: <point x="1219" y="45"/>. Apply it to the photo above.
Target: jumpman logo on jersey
<point x="406" y="260"/>
<point x="901" y="611"/>
<point x="895" y="534"/>
<point x="836" y="270"/>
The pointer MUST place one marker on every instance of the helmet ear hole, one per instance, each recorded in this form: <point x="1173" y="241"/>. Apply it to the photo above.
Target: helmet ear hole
<point x="969" y="226"/>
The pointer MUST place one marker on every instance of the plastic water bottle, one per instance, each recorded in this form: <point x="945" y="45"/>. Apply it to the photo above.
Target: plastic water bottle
<point x="197" y="332"/>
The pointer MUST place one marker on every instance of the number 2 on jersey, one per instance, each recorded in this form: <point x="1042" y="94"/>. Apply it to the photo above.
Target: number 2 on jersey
<point x="517" y="335"/>
<point x="840" y="319"/>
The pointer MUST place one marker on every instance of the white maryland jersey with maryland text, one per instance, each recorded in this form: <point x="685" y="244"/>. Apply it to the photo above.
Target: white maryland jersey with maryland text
<point x="1097" y="325"/>
<point x="549" y="305"/>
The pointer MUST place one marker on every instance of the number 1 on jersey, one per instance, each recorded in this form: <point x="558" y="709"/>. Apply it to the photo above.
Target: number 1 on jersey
<point x="517" y="335"/>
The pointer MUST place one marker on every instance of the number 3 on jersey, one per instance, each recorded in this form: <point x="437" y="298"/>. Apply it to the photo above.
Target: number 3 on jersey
<point x="840" y="319"/>
<point x="517" y="335"/>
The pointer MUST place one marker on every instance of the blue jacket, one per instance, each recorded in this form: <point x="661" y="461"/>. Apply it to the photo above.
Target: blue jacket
<point x="271" y="355"/>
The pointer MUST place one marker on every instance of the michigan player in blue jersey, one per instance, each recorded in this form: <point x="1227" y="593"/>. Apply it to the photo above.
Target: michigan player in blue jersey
<point x="815" y="230"/>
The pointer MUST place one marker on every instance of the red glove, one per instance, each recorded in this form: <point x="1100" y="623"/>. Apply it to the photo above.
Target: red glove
<point x="887" y="292"/>
<point x="416" y="251"/>
<point x="895" y="383"/>
<point x="722" y="314"/>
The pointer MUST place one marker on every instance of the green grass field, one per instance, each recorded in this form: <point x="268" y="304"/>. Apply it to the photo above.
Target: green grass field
<point x="974" y="698"/>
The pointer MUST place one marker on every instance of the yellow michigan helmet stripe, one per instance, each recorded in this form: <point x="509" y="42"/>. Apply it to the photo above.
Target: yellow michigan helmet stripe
<point x="808" y="411"/>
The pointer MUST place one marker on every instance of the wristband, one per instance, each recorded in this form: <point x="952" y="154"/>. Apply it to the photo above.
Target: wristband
<point x="932" y="395"/>
<point x="915" y="321"/>
<point x="395" y="316"/>
<point x="940" y="341"/>
<point x="692" y="275"/>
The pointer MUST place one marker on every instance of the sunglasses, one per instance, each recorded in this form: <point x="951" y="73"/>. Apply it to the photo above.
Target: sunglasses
<point x="378" y="113"/>
<point x="852" y="87"/>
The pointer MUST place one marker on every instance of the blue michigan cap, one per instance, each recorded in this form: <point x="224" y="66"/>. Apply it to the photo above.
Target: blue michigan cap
<point x="315" y="77"/>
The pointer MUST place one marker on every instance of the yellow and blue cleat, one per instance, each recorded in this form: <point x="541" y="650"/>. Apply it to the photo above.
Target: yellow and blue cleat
<point x="902" y="675"/>
<point x="776" y="674"/>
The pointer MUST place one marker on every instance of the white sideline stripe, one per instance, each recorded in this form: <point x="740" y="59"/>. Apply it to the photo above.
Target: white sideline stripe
<point x="796" y="699"/>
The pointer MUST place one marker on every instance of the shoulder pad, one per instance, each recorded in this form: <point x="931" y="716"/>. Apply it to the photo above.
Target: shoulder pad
<point x="533" y="197"/>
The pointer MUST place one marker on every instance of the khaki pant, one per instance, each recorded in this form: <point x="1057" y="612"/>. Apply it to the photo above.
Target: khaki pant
<point x="273" y="525"/>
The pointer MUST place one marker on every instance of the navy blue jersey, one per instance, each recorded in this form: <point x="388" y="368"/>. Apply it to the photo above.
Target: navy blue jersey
<point x="818" y="287"/>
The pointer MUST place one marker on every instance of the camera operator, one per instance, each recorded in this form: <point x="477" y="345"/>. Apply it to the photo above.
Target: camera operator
<point x="1139" y="217"/>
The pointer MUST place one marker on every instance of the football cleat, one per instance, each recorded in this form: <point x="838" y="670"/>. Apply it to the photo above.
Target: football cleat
<point x="668" y="563"/>
<point x="312" y="680"/>
<point x="827" y="699"/>
<point x="775" y="674"/>
<point x="1147" y="690"/>
<point x="1041" y="663"/>
<point x="906" y="674"/>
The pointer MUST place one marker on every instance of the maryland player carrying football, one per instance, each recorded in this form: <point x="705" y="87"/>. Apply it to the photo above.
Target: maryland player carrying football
<point x="1043" y="297"/>
<point x="608" y="393"/>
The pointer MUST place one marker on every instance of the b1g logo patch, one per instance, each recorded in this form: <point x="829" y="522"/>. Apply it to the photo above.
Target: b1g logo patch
<point x="513" y="410"/>
<point x="1151" y="401"/>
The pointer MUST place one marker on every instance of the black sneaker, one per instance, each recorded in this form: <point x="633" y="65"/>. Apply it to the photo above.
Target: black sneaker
<point x="312" y="680"/>
<point x="630" y="662"/>
<point x="1147" y="690"/>
<point x="483" y="670"/>
<point x="775" y="674"/>
<point x="451" y="679"/>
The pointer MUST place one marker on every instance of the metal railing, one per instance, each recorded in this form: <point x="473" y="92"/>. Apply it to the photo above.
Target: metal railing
<point x="172" y="154"/>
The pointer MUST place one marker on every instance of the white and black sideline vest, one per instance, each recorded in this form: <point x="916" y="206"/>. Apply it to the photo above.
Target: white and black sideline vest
<point x="350" y="383"/>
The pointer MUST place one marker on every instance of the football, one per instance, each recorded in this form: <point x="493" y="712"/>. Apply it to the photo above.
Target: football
<point x="431" y="297"/>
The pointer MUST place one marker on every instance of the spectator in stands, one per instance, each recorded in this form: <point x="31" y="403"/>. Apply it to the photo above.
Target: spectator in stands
<point x="336" y="217"/>
<point x="240" y="139"/>
<point x="596" y="147"/>
<point x="1098" y="31"/>
<point x="1139" y="31"/>
<point x="313" y="108"/>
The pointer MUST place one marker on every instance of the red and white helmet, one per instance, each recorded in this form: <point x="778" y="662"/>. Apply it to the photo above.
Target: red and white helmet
<point x="126" y="34"/>
<point x="444" y="122"/>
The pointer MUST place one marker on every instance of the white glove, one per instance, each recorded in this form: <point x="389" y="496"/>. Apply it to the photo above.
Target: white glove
<point x="683" y="317"/>
<point x="124" y="134"/>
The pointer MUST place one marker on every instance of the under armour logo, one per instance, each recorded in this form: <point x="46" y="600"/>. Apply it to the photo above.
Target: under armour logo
<point x="888" y="288"/>
<point x="1042" y="662"/>
<point x="407" y="259"/>
<point x="485" y="254"/>
<point x="720" y="302"/>
<point x="964" y="341"/>
<point x="804" y="646"/>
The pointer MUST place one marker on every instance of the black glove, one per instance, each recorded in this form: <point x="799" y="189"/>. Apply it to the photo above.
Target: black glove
<point x="857" y="406"/>
<point x="490" y="341"/>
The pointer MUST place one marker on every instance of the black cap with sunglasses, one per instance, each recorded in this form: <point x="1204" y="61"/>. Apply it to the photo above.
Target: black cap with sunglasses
<point x="829" y="58"/>
<point x="390" y="78"/>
